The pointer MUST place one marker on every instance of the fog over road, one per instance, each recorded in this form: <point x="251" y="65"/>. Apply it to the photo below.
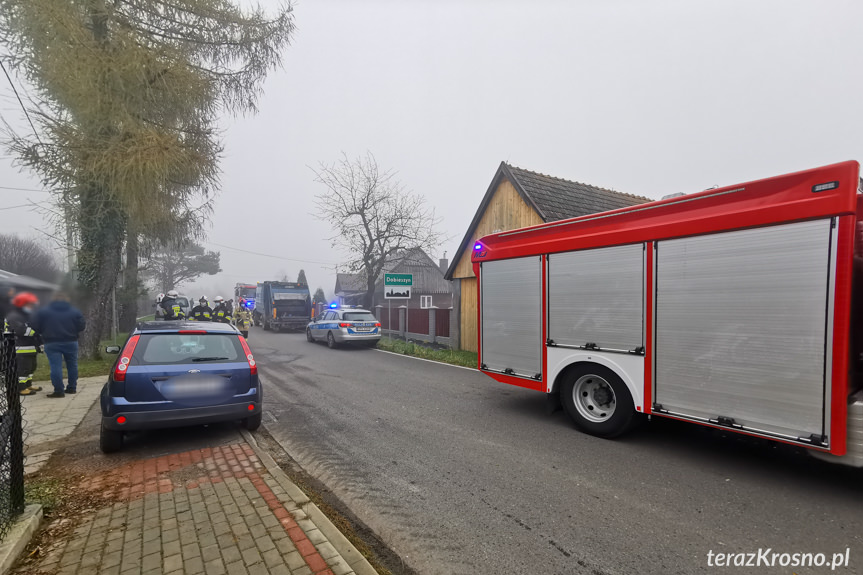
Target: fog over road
<point x="461" y="474"/>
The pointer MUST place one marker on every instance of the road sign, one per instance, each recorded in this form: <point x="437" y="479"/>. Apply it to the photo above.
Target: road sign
<point x="398" y="286"/>
<point x="403" y="280"/>
<point x="396" y="292"/>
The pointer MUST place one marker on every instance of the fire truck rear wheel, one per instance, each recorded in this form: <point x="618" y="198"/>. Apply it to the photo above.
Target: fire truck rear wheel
<point x="597" y="400"/>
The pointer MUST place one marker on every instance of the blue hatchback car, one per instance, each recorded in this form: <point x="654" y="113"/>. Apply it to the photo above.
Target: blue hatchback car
<point x="176" y="373"/>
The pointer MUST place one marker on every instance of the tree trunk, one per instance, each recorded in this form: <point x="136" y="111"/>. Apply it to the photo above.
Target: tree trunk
<point x="129" y="298"/>
<point x="102" y="226"/>
<point x="368" y="300"/>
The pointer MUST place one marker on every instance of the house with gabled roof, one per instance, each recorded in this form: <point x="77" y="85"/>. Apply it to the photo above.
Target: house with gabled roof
<point x="350" y="289"/>
<point x="517" y="198"/>
<point x="429" y="289"/>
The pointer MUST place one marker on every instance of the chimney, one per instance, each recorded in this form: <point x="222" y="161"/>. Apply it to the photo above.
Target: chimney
<point x="444" y="264"/>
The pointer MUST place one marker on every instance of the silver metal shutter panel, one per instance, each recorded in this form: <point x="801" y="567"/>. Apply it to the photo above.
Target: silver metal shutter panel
<point x="740" y="326"/>
<point x="512" y="316"/>
<point x="597" y="296"/>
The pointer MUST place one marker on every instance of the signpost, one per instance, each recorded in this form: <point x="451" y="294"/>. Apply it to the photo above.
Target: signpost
<point x="397" y="286"/>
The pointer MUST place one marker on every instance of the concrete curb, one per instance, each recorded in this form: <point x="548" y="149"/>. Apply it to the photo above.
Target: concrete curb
<point x="19" y="536"/>
<point x="345" y="548"/>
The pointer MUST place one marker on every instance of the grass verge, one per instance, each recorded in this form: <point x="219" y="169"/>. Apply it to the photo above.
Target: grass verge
<point x="86" y="367"/>
<point x="453" y="356"/>
<point x="44" y="490"/>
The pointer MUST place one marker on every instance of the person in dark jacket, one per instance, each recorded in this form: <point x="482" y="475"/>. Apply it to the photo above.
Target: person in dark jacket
<point x="60" y="324"/>
<point x="172" y="307"/>
<point x="221" y="313"/>
<point x="202" y="311"/>
<point x="27" y="341"/>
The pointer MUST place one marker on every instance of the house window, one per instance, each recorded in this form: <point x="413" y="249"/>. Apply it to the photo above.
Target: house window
<point x="425" y="301"/>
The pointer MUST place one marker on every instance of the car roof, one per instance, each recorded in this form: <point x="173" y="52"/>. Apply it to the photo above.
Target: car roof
<point x="352" y="309"/>
<point x="175" y="326"/>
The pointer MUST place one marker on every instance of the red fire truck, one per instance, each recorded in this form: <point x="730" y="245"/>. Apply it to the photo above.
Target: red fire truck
<point x="737" y="308"/>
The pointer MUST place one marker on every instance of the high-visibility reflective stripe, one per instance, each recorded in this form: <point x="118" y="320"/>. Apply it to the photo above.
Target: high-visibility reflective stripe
<point x="25" y="349"/>
<point x="29" y="331"/>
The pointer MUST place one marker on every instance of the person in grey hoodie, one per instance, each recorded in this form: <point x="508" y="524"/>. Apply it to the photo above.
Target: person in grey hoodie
<point x="60" y="324"/>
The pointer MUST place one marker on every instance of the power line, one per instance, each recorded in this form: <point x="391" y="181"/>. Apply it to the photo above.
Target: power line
<point x="270" y="255"/>
<point x="23" y="107"/>
<point x="24" y="189"/>
<point x="34" y="205"/>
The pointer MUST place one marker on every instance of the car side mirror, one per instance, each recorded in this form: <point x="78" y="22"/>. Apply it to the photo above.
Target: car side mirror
<point x="112" y="349"/>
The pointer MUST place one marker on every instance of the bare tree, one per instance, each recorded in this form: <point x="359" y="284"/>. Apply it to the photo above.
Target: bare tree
<point x="27" y="257"/>
<point x="375" y="218"/>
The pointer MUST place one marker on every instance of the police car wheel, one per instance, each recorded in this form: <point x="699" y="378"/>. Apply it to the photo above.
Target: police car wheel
<point x="331" y="341"/>
<point x="309" y="335"/>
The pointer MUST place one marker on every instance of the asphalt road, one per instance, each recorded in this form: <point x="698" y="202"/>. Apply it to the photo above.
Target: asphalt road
<point x="460" y="474"/>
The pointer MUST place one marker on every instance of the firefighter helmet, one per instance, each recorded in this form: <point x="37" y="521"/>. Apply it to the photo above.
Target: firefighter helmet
<point x="173" y="293"/>
<point x="24" y="298"/>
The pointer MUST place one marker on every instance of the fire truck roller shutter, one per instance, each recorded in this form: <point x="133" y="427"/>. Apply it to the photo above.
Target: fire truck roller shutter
<point x="596" y="298"/>
<point x="741" y="327"/>
<point x="512" y="316"/>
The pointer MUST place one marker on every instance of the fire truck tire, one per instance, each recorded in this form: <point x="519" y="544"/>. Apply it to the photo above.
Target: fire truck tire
<point x="266" y="326"/>
<point x="597" y="401"/>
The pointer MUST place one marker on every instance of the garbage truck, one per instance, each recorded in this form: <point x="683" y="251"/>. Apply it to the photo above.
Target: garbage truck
<point x="282" y="305"/>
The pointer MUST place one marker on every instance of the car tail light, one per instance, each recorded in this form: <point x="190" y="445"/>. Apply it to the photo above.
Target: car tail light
<point x="378" y="324"/>
<point x="125" y="358"/>
<point x="345" y="324"/>
<point x="252" y="365"/>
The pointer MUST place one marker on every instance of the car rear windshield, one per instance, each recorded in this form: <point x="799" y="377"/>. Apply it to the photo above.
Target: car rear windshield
<point x="358" y="316"/>
<point x="178" y="348"/>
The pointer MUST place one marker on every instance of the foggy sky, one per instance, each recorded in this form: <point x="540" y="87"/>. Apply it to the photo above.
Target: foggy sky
<point x="646" y="97"/>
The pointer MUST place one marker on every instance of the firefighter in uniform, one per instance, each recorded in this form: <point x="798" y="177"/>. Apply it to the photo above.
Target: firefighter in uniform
<point x="27" y="341"/>
<point x="202" y="311"/>
<point x="221" y="313"/>
<point x="244" y="320"/>
<point x="172" y="307"/>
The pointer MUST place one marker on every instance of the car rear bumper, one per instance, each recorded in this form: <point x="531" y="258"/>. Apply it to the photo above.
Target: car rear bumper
<point x="342" y="337"/>
<point x="178" y="417"/>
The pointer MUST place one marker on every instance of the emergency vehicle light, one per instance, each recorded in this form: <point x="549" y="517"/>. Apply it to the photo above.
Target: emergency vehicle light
<point x="334" y="305"/>
<point x="477" y="246"/>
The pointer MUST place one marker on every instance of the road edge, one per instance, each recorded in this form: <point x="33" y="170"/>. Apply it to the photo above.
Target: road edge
<point x="345" y="548"/>
<point x="428" y="360"/>
<point x="19" y="536"/>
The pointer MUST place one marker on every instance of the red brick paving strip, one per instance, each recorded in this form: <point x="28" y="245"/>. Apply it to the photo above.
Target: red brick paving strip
<point x="135" y="480"/>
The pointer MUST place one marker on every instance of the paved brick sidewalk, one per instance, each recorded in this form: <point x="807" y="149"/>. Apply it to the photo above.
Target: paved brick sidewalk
<point x="213" y="510"/>
<point x="47" y="420"/>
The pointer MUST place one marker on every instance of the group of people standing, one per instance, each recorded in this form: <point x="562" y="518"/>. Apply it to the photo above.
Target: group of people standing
<point x="223" y="312"/>
<point x="53" y="330"/>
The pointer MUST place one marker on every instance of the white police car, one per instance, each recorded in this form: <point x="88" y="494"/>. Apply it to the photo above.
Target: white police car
<point x="345" y="325"/>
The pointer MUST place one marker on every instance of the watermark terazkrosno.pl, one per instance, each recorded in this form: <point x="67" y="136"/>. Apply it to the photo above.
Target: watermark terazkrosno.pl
<point x="770" y="558"/>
